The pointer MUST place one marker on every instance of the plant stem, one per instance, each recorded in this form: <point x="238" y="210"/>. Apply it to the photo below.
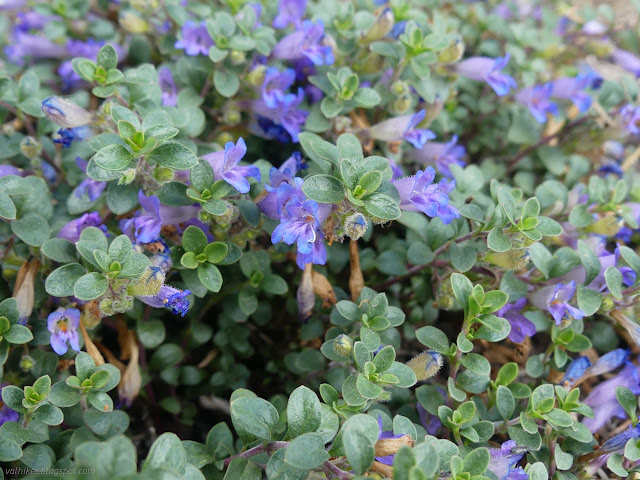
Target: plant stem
<point x="256" y="451"/>
<point x="418" y="268"/>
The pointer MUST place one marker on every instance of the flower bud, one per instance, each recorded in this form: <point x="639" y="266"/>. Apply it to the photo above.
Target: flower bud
<point x="26" y="363"/>
<point x="380" y="28"/>
<point x="23" y="289"/>
<point x="30" y="148"/>
<point x="305" y="296"/>
<point x="606" y="306"/>
<point x="355" y="226"/>
<point x="204" y="217"/>
<point x="426" y="365"/>
<point x="401" y="104"/>
<point x="132" y="23"/>
<point x="163" y="174"/>
<point x="224" y="138"/>
<point x="231" y="115"/>
<point x="400" y="87"/>
<point x="452" y="53"/>
<point x="256" y="76"/>
<point x="65" y="113"/>
<point x="237" y="57"/>
<point x="127" y="177"/>
<point x="231" y="214"/>
<point x="342" y="123"/>
<point x="343" y="345"/>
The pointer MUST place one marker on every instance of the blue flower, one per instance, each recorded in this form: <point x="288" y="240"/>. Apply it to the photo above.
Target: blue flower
<point x="521" y="326"/>
<point x="630" y="115"/>
<point x="627" y="60"/>
<point x="225" y="166"/>
<point x="290" y="12"/>
<point x="402" y="128"/>
<point x="537" y="99"/>
<point x="169" y="297"/>
<point x="299" y="224"/>
<point x="63" y="325"/>
<point x="305" y="42"/>
<point x="284" y="113"/>
<point x="195" y="39"/>
<point x="72" y="230"/>
<point x="168" y="87"/>
<point x="503" y="460"/>
<point x="92" y="188"/>
<point x="489" y="70"/>
<point x="576" y="369"/>
<point x="573" y="88"/>
<point x="442" y="155"/>
<point x="420" y="194"/>
<point x="275" y="83"/>
<point x="69" y="135"/>
<point x="558" y="304"/>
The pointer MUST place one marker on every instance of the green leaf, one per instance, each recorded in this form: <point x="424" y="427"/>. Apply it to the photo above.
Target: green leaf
<point x="367" y="389"/>
<point x="549" y="227"/>
<point x="113" y="158"/>
<point x="226" y="82"/>
<point x="434" y="338"/>
<point x="7" y="208"/>
<point x="463" y="256"/>
<point x="276" y="469"/>
<point x="628" y="401"/>
<point x="166" y="452"/>
<point x="613" y="277"/>
<point x="10" y="451"/>
<point x="614" y="463"/>
<point x="173" y="155"/>
<point x="498" y="241"/>
<point x="216" y="251"/>
<point x="382" y="206"/>
<point x="303" y="412"/>
<point x="306" y="451"/>
<point x="477" y="461"/>
<point x="12" y="397"/>
<point x="210" y="277"/>
<point x="366" y="97"/>
<point x="319" y="150"/>
<point x="505" y="402"/>
<point x="107" y="57"/>
<point x="358" y="449"/>
<point x="61" y="282"/>
<point x="33" y="229"/>
<point x="18" y="334"/>
<point x="90" y="286"/>
<point x="370" y="181"/>
<point x="194" y="240"/>
<point x="541" y="258"/>
<point x="589" y="260"/>
<point x="507" y="203"/>
<point x="331" y="107"/>
<point x="462" y="288"/>
<point x="384" y="359"/>
<point x="323" y="189"/>
<point x="201" y="176"/>
<point x="477" y="364"/>
<point x="507" y="374"/>
<point x="253" y="416"/>
<point x="49" y="414"/>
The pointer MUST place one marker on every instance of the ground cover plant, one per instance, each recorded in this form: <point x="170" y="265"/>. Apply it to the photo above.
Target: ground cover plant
<point x="319" y="239"/>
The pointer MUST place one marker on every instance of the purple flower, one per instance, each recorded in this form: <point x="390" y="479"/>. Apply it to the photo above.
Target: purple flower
<point x="305" y="42"/>
<point x="442" y="155"/>
<point x="284" y="113"/>
<point x="169" y="297"/>
<point x="431" y="423"/>
<point x="521" y="326"/>
<point x="537" y="99"/>
<point x="72" y="230"/>
<point x="147" y="223"/>
<point x="630" y="115"/>
<point x="555" y="299"/>
<point x="488" y="69"/>
<point x="420" y="194"/>
<point x="281" y="179"/>
<point x="317" y="255"/>
<point x="572" y="88"/>
<point x="627" y="60"/>
<point x="290" y="12"/>
<point x="617" y="443"/>
<point x="195" y="39"/>
<point x="402" y="128"/>
<point x="10" y="170"/>
<point x="225" y="166"/>
<point x="63" y="325"/>
<point x="92" y="188"/>
<point x="576" y="369"/>
<point x="299" y="224"/>
<point x="387" y="459"/>
<point x="503" y="460"/>
<point x="609" y="362"/>
<point x="168" y="87"/>
<point x="35" y="46"/>
<point x="602" y="399"/>
<point x="69" y="135"/>
<point x="275" y="83"/>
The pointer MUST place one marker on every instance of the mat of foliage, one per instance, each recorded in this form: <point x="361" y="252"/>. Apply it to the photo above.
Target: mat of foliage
<point x="319" y="239"/>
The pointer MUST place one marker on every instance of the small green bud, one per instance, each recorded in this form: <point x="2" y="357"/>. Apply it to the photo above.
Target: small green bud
<point x="256" y="76"/>
<point x="224" y="138"/>
<point x="231" y="115"/>
<point x="343" y="345"/>
<point x="380" y="28"/>
<point x="30" y="148"/>
<point x="401" y="104"/>
<point x="452" y="53"/>
<point x="400" y="87"/>
<point x="26" y="363"/>
<point x="163" y="174"/>
<point x="127" y="177"/>
<point x="606" y="306"/>
<point x="228" y="217"/>
<point x="237" y="57"/>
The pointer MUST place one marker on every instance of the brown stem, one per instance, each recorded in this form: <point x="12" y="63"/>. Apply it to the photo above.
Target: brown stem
<point x="356" y="280"/>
